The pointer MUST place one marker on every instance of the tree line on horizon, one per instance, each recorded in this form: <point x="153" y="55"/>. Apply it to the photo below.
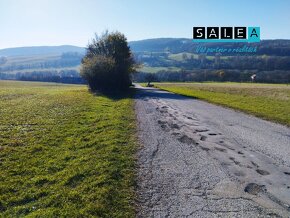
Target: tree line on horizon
<point x="205" y="75"/>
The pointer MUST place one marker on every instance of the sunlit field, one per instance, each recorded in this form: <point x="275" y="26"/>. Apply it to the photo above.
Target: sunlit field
<point x="65" y="152"/>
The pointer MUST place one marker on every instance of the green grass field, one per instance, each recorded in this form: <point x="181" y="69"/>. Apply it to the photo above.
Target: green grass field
<point x="157" y="69"/>
<point x="179" y="56"/>
<point x="268" y="101"/>
<point x="65" y="152"/>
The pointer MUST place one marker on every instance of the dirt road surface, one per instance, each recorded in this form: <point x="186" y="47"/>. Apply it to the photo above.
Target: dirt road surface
<point x="201" y="160"/>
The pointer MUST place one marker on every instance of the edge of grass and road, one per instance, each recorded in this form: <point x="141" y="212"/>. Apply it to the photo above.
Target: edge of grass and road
<point x="267" y="101"/>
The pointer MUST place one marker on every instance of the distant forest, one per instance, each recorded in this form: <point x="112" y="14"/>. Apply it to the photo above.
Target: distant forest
<point x="271" y="62"/>
<point x="218" y="68"/>
<point x="174" y="60"/>
<point x="62" y="76"/>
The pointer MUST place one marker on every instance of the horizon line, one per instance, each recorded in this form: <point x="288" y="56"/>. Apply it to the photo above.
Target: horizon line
<point x="58" y="45"/>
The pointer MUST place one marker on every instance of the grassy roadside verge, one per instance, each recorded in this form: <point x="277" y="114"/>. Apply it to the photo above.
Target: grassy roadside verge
<point x="65" y="152"/>
<point x="268" y="101"/>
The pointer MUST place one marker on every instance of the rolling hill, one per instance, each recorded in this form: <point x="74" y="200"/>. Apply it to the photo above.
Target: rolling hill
<point x="166" y="57"/>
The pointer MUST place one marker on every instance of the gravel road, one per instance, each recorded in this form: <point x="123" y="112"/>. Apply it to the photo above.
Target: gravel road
<point x="201" y="160"/>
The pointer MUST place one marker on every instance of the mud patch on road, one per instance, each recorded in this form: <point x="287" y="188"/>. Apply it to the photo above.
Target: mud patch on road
<point x="187" y="140"/>
<point x="263" y="172"/>
<point x="254" y="189"/>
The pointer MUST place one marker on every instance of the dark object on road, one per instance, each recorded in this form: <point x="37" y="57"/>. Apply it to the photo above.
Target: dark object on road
<point x="150" y="78"/>
<point x="263" y="172"/>
<point x="254" y="189"/>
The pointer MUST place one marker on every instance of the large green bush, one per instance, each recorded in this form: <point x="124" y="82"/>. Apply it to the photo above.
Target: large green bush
<point x="108" y="63"/>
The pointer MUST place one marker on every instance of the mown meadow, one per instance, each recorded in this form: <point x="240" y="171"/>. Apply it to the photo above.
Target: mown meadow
<point x="65" y="152"/>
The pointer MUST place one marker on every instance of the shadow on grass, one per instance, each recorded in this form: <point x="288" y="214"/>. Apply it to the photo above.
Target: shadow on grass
<point x="140" y="93"/>
<point x="116" y="95"/>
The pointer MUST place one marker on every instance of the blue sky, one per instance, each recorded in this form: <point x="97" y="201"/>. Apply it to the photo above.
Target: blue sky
<point x="58" y="22"/>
